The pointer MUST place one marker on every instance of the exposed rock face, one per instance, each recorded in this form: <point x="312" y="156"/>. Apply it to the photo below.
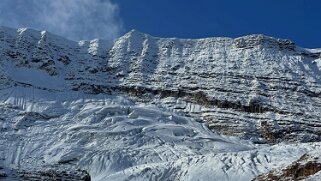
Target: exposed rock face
<point x="41" y="174"/>
<point x="301" y="169"/>
<point x="255" y="87"/>
<point x="54" y="174"/>
<point x="242" y="86"/>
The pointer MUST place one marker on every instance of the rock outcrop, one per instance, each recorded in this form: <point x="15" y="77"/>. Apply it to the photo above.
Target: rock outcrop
<point x="303" y="168"/>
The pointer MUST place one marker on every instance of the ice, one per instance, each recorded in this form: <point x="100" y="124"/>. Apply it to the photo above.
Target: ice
<point x="100" y="135"/>
<point x="113" y="138"/>
<point x="142" y="108"/>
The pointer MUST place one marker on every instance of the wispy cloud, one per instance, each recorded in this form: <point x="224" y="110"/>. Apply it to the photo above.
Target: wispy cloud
<point x="73" y="19"/>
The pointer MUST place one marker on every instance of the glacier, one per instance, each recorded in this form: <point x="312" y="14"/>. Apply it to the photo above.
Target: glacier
<point x="149" y="108"/>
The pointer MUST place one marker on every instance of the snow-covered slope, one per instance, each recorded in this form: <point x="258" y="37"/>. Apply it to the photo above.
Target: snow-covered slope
<point x="254" y="86"/>
<point x="148" y="108"/>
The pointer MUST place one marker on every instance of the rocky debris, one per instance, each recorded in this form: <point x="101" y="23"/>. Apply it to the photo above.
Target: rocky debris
<point x="304" y="167"/>
<point x="64" y="59"/>
<point x="49" y="67"/>
<point x="28" y="119"/>
<point x="53" y="174"/>
<point x="43" y="173"/>
<point x="3" y="174"/>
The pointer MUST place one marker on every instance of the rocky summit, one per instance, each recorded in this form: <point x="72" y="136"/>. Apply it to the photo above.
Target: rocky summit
<point x="154" y="108"/>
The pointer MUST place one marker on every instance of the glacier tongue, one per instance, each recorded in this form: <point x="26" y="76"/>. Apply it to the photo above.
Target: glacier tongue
<point x="151" y="108"/>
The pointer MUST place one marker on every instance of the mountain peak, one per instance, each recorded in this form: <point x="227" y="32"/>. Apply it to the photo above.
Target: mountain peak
<point x="249" y="41"/>
<point x="135" y="32"/>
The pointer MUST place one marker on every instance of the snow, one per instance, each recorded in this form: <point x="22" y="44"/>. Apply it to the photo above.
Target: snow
<point x="65" y="104"/>
<point x="316" y="50"/>
<point x="38" y="78"/>
<point x="116" y="139"/>
<point x="314" y="177"/>
<point x="103" y="135"/>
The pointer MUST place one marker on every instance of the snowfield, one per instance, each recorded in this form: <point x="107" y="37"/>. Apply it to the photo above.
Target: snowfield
<point x="149" y="108"/>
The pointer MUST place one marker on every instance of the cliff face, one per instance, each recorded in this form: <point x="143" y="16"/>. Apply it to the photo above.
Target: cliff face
<point x="254" y="87"/>
<point x="127" y="109"/>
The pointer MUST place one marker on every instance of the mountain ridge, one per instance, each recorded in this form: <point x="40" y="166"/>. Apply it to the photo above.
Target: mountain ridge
<point x="139" y="64"/>
<point x="146" y="106"/>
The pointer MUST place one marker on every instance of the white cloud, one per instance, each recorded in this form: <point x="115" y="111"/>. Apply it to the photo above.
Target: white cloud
<point x="73" y="19"/>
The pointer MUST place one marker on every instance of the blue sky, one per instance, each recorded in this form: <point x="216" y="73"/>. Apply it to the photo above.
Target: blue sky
<point x="298" y="20"/>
